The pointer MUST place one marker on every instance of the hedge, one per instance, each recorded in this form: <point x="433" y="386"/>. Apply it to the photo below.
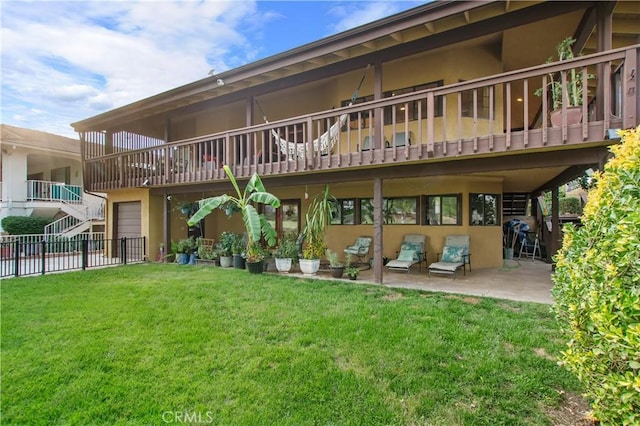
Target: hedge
<point x="597" y="289"/>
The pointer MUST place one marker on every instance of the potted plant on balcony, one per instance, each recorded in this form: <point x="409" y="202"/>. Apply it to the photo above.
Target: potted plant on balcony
<point x="574" y="88"/>
<point x="287" y="252"/>
<point x="256" y="225"/>
<point x="317" y="220"/>
<point x="337" y="267"/>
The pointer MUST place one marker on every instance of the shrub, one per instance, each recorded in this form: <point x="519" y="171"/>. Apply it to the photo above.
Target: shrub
<point x="597" y="286"/>
<point x="21" y="225"/>
<point x="569" y="205"/>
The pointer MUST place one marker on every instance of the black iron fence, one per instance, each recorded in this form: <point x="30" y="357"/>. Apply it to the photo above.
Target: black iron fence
<point x="19" y="257"/>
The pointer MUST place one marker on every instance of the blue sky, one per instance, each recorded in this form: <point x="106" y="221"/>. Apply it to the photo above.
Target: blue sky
<point x="64" y="61"/>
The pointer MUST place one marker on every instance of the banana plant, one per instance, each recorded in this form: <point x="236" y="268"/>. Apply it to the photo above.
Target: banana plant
<point x="255" y="224"/>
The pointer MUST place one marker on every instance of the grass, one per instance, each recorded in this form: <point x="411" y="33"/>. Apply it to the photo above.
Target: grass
<point x="162" y="344"/>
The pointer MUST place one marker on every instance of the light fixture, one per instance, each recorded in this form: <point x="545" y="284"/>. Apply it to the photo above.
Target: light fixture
<point x="146" y="182"/>
<point x="220" y="82"/>
<point x="519" y="99"/>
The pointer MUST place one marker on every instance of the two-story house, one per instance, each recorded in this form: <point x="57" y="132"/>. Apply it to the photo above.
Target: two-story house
<point x="424" y="122"/>
<point x="42" y="176"/>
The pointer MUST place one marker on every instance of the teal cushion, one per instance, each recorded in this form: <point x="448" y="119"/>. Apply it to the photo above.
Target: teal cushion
<point x="452" y="254"/>
<point x="407" y="255"/>
<point x="416" y="247"/>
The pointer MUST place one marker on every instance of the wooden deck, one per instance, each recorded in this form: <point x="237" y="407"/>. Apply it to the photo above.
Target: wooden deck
<point x="438" y="132"/>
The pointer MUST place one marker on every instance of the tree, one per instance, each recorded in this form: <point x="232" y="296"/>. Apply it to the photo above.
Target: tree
<point x="255" y="224"/>
<point x="597" y="289"/>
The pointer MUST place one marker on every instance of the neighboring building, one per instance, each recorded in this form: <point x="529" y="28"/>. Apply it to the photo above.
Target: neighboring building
<point x="42" y="176"/>
<point x="445" y="135"/>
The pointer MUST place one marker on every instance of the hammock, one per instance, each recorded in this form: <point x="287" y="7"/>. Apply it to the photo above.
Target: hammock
<point x="324" y="143"/>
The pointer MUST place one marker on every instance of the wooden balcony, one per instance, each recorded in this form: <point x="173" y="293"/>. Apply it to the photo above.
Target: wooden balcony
<point x="494" y="116"/>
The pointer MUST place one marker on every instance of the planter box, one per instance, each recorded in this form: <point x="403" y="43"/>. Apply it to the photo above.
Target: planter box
<point x="207" y="262"/>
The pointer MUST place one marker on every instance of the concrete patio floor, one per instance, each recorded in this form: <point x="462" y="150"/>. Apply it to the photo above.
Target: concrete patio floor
<point x="520" y="280"/>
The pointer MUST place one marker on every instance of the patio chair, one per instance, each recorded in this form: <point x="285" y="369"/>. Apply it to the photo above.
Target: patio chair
<point x="360" y="249"/>
<point x="412" y="251"/>
<point x="455" y="255"/>
<point x="400" y="139"/>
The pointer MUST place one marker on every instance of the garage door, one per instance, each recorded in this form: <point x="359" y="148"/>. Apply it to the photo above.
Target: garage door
<point x="128" y="224"/>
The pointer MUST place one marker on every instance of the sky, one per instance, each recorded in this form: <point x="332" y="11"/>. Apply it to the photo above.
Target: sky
<point x="65" y="61"/>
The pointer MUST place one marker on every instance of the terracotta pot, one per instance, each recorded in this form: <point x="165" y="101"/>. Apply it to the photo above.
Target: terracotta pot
<point x="574" y="116"/>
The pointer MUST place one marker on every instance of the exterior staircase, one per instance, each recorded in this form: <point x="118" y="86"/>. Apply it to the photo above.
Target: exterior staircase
<point x="81" y="213"/>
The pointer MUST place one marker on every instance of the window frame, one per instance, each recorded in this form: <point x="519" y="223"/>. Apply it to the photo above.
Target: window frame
<point x="426" y="220"/>
<point x="498" y="209"/>
<point x="338" y="209"/>
<point x="386" y="214"/>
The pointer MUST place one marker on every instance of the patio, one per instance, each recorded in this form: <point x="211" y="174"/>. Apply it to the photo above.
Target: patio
<point x="521" y="280"/>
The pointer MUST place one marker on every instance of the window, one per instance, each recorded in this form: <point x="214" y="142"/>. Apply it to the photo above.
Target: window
<point x="366" y="211"/>
<point x="285" y="218"/>
<point x="482" y="100"/>
<point x="412" y="112"/>
<point x="411" y="108"/>
<point x="364" y="116"/>
<point x="484" y="209"/>
<point x="443" y="209"/>
<point x="343" y="212"/>
<point x="400" y="210"/>
<point x="62" y="175"/>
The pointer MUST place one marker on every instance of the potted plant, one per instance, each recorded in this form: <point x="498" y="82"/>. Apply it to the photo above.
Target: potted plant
<point x="352" y="272"/>
<point x="184" y="249"/>
<point x="238" y="255"/>
<point x="256" y="225"/>
<point x="573" y="97"/>
<point x="287" y="252"/>
<point x="317" y="220"/>
<point x="225" y="248"/>
<point x="255" y="262"/>
<point x="186" y="207"/>
<point x="337" y="267"/>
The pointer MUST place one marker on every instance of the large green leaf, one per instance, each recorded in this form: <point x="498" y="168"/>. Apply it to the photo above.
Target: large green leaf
<point x="265" y="198"/>
<point x="208" y="205"/>
<point x="251" y="220"/>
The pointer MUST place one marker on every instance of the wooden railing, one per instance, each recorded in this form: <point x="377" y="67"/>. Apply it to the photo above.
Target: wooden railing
<point x="464" y="119"/>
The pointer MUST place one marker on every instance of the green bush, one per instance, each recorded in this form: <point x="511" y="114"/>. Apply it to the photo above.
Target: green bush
<point x="570" y="205"/>
<point x="597" y="289"/>
<point x="21" y="225"/>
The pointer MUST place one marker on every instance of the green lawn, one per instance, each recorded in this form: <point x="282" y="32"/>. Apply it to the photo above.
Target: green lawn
<point x="168" y="344"/>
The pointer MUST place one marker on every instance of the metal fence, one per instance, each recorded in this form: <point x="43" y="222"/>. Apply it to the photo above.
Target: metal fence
<point x="36" y="255"/>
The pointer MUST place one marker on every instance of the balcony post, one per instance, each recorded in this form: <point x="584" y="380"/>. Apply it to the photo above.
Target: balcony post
<point x="377" y="230"/>
<point x="631" y="100"/>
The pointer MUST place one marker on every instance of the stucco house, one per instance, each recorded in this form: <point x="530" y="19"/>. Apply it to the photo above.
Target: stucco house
<point x="42" y="176"/>
<point x="424" y="122"/>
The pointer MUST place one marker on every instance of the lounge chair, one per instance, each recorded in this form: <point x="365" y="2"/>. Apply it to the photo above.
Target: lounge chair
<point x="360" y="249"/>
<point x="400" y="139"/>
<point x="412" y="251"/>
<point x="455" y="255"/>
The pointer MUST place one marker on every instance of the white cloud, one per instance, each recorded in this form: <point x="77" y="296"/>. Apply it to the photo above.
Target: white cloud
<point x="64" y="61"/>
<point x="77" y="59"/>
